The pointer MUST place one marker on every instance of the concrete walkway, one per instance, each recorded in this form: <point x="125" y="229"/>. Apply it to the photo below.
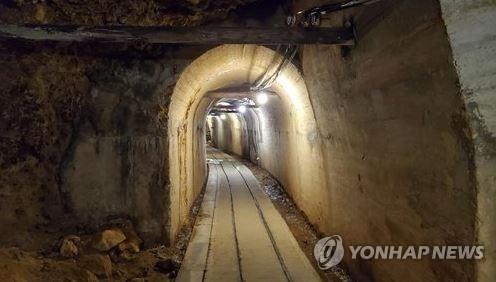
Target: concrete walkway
<point x="239" y="235"/>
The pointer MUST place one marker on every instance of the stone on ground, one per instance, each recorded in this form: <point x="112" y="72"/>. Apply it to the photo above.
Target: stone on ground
<point x="108" y="239"/>
<point x="68" y="249"/>
<point x="68" y="246"/>
<point x="98" y="264"/>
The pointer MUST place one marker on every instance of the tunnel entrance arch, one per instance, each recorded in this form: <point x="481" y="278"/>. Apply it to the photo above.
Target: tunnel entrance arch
<point x="231" y="66"/>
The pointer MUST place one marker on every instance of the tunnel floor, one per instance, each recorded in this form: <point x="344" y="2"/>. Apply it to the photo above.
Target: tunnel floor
<point x="239" y="235"/>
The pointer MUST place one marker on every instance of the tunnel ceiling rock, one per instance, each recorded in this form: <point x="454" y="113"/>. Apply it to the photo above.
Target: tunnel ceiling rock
<point x="114" y="12"/>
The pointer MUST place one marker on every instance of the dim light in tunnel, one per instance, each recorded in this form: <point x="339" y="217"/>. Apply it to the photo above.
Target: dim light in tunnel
<point x="262" y="98"/>
<point x="242" y="109"/>
<point x="223" y="116"/>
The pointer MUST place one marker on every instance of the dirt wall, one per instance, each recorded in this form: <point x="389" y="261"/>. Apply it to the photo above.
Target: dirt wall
<point x="83" y="143"/>
<point x="116" y="166"/>
<point x="42" y="98"/>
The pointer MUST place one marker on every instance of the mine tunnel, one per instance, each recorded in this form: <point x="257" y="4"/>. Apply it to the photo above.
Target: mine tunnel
<point x="249" y="140"/>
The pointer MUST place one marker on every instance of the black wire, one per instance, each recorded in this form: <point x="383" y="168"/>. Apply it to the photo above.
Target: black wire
<point x="291" y="51"/>
<point x="265" y="83"/>
<point x="288" y="56"/>
<point x="283" y="66"/>
<point x="263" y="78"/>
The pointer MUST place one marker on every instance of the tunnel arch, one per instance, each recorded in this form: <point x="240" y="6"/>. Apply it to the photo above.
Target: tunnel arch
<point x="229" y="66"/>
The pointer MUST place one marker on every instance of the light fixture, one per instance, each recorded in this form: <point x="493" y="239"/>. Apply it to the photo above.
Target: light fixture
<point x="262" y="98"/>
<point x="223" y="116"/>
<point x="242" y="109"/>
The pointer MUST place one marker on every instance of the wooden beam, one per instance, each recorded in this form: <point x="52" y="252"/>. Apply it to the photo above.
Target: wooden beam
<point x="179" y="35"/>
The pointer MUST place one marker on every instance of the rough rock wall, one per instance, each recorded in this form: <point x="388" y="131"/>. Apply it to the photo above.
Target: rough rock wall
<point x="42" y="99"/>
<point x="117" y="164"/>
<point x="113" y="12"/>
<point x="83" y="141"/>
<point x="397" y="146"/>
<point x="471" y="27"/>
<point x="83" y="137"/>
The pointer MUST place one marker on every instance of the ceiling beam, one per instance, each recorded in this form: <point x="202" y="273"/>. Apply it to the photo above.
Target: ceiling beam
<point x="179" y="35"/>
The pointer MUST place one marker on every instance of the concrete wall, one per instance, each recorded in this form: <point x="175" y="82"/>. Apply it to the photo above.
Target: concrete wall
<point x="398" y="159"/>
<point x="471" y="27"/>
<point x="264" y="139"/>
<point x="227" y="66"/>
<point x="397" y="152"/>
<point x="230" y="133"/>
<point x="260" y="135"/>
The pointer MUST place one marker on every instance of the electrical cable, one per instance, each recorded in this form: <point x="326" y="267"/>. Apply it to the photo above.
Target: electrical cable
<point x="265" y="82"/>
<point x="281" y="67"/>
<point x="260" y="81"/>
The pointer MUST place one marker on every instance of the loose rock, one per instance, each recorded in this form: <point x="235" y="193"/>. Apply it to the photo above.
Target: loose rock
<point x="125" y="251"/>
<point x="130" y="246"/>
<point x="98" y="264"/>
<point x="68" y="246"/>
<point x="68" y="249"/>
<point x="108" y="239"/>
<point x="132" y="236"/>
